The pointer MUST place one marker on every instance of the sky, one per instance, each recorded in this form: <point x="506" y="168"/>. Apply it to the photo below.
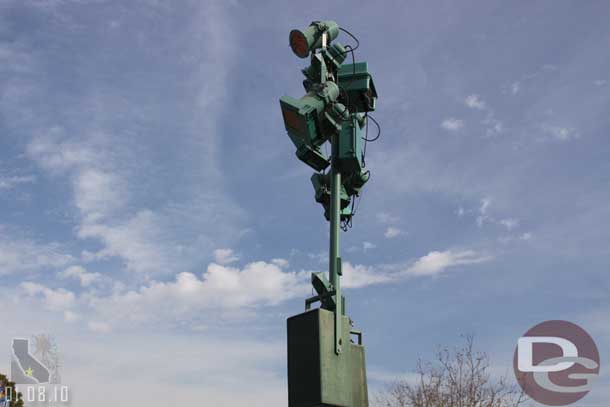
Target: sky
<point x="155" y="220"/>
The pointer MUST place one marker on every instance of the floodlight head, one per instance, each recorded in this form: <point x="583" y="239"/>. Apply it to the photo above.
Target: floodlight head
<point x="305" y="118"/>
<point x="354" y="182"/>
<point x="321" y="186"/>
<point x="302" y="42"/>
<point x="301" y="117"/>
<point x="357" y="82"/>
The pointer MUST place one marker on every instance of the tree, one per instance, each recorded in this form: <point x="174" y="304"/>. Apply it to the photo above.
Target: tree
<point x="457" y="378"/>
<point x="17" y="400"/>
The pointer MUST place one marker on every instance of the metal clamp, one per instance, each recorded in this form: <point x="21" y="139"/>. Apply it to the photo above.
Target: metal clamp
<point x="358" y="333"/>
<point x="317" y="298"/>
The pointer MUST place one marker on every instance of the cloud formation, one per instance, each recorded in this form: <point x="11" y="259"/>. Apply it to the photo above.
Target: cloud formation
<point x="475" y="102"/>
<point x="435" y="262"/>
<point x="23" y="255"/>
<point x="52" y="300"/>
<point x="81" y="274"/>
<point x="392" y="232"/>
<point x="225" y="256"/>
<point x="560" y="133"/>
<point x="12" y="181"/>
<point x="452" y="124"/>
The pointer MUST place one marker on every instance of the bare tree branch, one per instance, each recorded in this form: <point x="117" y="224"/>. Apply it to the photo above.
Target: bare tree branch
<point x="457" y="378"/>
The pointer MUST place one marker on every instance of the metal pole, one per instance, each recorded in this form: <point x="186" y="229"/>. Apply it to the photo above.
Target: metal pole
<point x="334" y="258"/>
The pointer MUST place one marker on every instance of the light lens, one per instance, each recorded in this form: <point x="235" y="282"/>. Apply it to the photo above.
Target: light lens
<point x="298" y="43"/>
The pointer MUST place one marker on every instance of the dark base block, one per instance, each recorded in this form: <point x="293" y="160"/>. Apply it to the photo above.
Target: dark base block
<point x="317" y="377"/>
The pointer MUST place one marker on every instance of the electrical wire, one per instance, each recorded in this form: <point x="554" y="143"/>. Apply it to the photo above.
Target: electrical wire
<point x="358" y="204"/>
<point x="346" y="106"/>
<point x="366" y="136"/>
<point x="349" y="106"/>
<point x="347" y="224"/>
<point x="351" y="49"/>
<point x="353" y="37"/>
<point x="378" y="129"/>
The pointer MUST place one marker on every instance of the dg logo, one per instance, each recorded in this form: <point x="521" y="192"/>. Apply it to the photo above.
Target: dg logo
<point x="556" y="362"/>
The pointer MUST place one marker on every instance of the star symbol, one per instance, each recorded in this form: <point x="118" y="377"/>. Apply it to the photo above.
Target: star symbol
<point x="29" y="372"/>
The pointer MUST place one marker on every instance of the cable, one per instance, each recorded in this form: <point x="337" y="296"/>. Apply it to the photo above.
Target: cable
<point x="349" y="48"/>
<point x="378" y="129"/>
<point x="349" y="106"/>
<point x="353" y="37"/>
<point x="347" y="224"/>
<point x="366" y="136"/>
<point x="358" y="206"/>
<point x="346" y="106"/>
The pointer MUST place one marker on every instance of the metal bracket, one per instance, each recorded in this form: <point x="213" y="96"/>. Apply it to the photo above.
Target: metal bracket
<point x="317" y="298"/>
<point x="358" y="333"/>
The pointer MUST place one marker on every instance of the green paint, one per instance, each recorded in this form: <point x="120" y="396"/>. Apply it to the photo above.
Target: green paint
<point x="325" y="367"/>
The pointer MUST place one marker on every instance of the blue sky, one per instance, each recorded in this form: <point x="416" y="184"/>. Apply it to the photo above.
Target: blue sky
<point x="153" y="216"/>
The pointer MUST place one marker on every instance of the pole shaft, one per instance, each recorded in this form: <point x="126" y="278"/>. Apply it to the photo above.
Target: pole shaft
<point x="334" y="255"/>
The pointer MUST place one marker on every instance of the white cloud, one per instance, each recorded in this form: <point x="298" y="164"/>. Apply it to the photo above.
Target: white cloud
<point x="232" y="371"/>
<point x="484" y="216"/>
<point x="183" y="300"/>
<point x="57" y="155"/>
<point x="483" y="211"/>
<point x="321" y="257"/>
<point x="526" y="236"/>
<point x="137" y="241"/>
<point x="515" y="87"/>
<point x="356" y="276"/>
<point x="71" y="316"/>
<point x="225" y="369"/>
<point x="392" y="232"/>
<point x="97" y="193"/>
<point x="438" y="262"/>
<point x="225" y="256"/>
<point x="368" y="246"/>
<point x="452" y="124"/>
<point x="475" y="102"/>
<point x="511" y="238"/>
<point x="187" y="300"/>
<point x="384" y="217"/>
<point x="434" y="263"/>
<point x="80" y="273"/>
<point x="100" y="195"/>
<point x="485" y="203"/>
<point x="220" y="287"/>
<point x="26" y="255"/>
<point x="102" y="174"/>
<point x="493" y="126"/>
<point x="600" y="82"/>
<point x="560" y="133"/>
<point x="53" y="300"/>
<point x="280" y="262"/>
<point x="390" y="377"/>
<point x="97" y="326"/>
<point x="509" y="223"/>
<point x="11" y="182"/>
